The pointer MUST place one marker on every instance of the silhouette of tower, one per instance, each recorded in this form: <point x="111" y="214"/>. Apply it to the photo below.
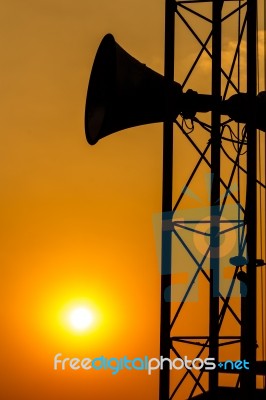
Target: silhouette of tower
<point x="238" y="210"/>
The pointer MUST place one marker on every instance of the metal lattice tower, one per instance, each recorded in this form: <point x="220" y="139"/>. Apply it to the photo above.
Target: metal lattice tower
<point x="224" y="233"/>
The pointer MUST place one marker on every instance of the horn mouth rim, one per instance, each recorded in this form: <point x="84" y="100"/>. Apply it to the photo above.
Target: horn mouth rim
<point x="100" y="88"/>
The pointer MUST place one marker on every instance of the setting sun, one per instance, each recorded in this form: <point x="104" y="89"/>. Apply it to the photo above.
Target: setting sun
<point x="81" y="318"/>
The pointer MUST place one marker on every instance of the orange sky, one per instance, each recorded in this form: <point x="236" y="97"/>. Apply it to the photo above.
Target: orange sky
<point x="77" y="221"/>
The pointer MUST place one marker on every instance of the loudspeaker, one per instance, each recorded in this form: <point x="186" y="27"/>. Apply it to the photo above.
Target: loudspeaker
<point x="123" y="93"/>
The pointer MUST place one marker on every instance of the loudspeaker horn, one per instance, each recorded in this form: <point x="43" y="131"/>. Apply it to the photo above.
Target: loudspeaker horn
<point x="123" y="93"/>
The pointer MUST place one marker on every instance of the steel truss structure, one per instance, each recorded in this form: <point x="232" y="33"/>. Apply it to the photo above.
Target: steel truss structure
<point x="220" y="234"/>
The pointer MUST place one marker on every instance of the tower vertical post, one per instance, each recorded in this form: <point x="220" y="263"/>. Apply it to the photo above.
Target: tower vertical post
<point x="215" y="195"/>
<point x="166" y="255"/>
<point x="249" y="320"/>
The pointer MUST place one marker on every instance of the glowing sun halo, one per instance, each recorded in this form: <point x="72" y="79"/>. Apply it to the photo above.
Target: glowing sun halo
<point x="81" y="318"/>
